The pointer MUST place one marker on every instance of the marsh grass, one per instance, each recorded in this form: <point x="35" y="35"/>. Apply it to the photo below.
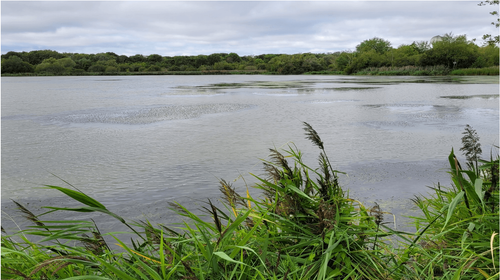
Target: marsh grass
<point x="438" y="70"/>
<point x="304" y="227"/>
<point x="490" y="71"/>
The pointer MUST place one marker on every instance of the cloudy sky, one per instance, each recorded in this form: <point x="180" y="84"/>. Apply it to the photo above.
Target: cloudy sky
<point x="172" y="28"/>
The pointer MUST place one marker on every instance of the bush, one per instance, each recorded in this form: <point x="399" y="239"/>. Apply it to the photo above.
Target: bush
<point x="15" y="65"/>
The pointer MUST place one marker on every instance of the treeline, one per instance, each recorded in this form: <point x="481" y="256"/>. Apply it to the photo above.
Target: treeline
<point x="447" y="52"/>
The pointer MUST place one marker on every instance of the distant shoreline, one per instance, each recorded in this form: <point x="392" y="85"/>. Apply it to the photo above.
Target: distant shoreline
<point x="384" y="71"/>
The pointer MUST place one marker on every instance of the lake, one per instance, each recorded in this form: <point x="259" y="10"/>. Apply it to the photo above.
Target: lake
<point x="139" y="141"/>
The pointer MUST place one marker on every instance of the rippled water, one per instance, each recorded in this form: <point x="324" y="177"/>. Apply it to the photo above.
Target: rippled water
<point x="147" y="138"/>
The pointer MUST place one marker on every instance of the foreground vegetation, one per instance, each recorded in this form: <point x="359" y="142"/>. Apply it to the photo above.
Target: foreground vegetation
<point x="304" y="227"/>
<point x="375" y="56"/>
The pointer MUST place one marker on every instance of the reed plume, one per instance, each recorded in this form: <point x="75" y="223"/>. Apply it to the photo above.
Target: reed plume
<point x="471" y="146"/>
<point x="29" y="215"/>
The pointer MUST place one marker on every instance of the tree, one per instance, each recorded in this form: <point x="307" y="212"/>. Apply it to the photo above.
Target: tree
<point x="83" y="63"/>
<point x="488" y="38"/>
<point x="344" y="59"/>
<point x="50" y="66"/>
<point x="214" y="58"/>
<point x="366" y="59"/>
<point x="421" y="46"/>
<point x="154" y="58"/>
<point x="200" y="60"/>
<point x="67" y="63"/>
<point x="122" y="59"/>
<point x="37" y="57"/>
<point x="15" y="65"/>
<point x="379" y="45"/>
<point x="137" y="58"/>
<point x="233" y="57"/>
<point x="452" y="51"/>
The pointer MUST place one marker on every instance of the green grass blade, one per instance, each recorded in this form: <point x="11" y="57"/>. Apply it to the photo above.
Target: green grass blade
<point x="76" y="195"/>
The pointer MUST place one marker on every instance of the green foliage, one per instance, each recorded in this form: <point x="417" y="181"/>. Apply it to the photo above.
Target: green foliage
<point x="460" y="238"/>
<point x="491" y="71"/>
<point x="233" y="57"/>
<point x="453" y="52"/>
<point x="378" y="45"/>
<point x="14" y="64"/>
<point x="154" y="58"/>
<point x="51" y="66"/>
<point x="406" y="71"/>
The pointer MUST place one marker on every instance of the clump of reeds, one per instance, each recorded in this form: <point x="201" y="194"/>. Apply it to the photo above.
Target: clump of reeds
<point x="304" y="227"/>
<point x="459" y="226"/>
<point x="471" y="147"/>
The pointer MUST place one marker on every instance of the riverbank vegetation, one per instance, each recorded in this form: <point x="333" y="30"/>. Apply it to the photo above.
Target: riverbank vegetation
<point x="376" y="56"/>
<point x="305" y="226"/>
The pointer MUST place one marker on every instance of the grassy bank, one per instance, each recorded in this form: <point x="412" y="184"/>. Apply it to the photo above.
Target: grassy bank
<point x="428" y="71"/>
<point x="490" y="71"/>
<point x="155" y="73"/>
<point x="305" y="226"/>
<point x="382" y="71"/>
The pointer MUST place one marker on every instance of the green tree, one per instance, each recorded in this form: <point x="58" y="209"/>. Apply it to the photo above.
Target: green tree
<point x="97" y="68"/>
<point x="370" y="58"/>
<point x="37" y="57"/>
<point x="200" y="60"/>
<point x="452" y="51"/>
<point x="344" y="59"/>
<point x="122" y="59"/>
<point x="487" y="56"/>
<point x="15" y="65"/>
<point x="421" y="46"/>
<point x="405" y="55"/>
<point x="67" y="63"/>
<point x="214" y="58"/>
<point x="83" y="63"/>
<point x="124" y="67"/>
<point x="233" y="57"/>
<point x="154" y="68"/>
<point x="137" y="58"/>
<point x="379" y="45"/>
<point x="154" y="58"/>
<point x="223" y="65"/>
<point x="50" y="66"/>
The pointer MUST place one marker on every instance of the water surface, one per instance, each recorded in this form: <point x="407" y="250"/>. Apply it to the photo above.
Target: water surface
<point x="141" y="139"/>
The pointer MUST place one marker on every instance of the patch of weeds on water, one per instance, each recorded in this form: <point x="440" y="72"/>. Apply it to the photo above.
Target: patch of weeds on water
<point x="484" y="96"/>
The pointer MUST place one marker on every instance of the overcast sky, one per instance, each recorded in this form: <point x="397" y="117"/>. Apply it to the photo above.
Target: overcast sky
<point x="172" y="28"/>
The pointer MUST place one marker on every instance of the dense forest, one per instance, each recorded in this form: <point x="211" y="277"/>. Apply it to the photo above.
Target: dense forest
<point x="442" y="56"/>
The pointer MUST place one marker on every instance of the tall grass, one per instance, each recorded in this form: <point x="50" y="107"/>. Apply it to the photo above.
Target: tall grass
<point x="439" y="70"/>
<point x="489" y="71"/>
<point x="305" y="226"/>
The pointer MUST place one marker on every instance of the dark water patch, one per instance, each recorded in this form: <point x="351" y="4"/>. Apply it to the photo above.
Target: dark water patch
<point x="419" y="80"/>
<point x="352" y="88"/>
<point x="484" y="96"/>
<point x="254" y="84"/>
<point x="320" y="101"/>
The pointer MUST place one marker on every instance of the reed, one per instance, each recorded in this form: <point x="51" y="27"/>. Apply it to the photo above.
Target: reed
<point x="489" y="71"/>
<point x="438" y="70"/>
<point x="305" y="226"/>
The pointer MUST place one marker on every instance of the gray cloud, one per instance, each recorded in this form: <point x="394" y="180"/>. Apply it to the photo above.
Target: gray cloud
<point x="191" y="28"/>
